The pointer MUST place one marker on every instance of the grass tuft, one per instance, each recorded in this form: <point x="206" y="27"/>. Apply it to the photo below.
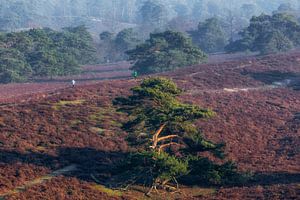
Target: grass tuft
<point x="62" y="103"/>
<point x="109" y="192"/>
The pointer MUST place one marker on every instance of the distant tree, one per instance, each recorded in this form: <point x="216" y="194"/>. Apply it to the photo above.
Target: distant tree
<point x="13" y="66"/>
<point x="287" y="8"/>
<point x="153" y="17"/>
<point x="126" y="39"/>
<point x="248" y="10"/>
<point x="275" y="42"/>
<point x="263" y="31"/>
<point x="53" y="53"/>
<point x="106" y="36"/>
<point x="209" y="36"/>
<point x="106" y="48"/>
<point x="233" y="23"/>
<point x="182" y="22"/>
<point x="80" y="41"/>
<point x="113" y="48"/>
<point x="284" y="7"/>
<point x="168" y="144"/>
<point x="163" y="52"/>
<point x="44" y="52"/>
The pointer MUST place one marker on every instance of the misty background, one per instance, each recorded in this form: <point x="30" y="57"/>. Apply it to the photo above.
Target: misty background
<point x="115" y="15"/>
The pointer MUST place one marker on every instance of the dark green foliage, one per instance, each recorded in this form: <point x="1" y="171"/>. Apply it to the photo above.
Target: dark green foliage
<point x="284" y="8"/>
<point x="113" y="48"/>
<point x="106" y="36"/>
<point x="44" y="52"/>
<point x="163" y="52"/>
<point x="162" y="128"/>
<point x="80" y="43"/>
<point x="275" y="42"/>
<point x="154" y="103"/>
<point x="13" y="66"/>
<point x="209" y="36"/>
<point x="268" y="34"/>
<point x="203" y="170"/>
<point x="153" y="17"/>
<point x="126" y="40"/>
<point x="150" y="166"/>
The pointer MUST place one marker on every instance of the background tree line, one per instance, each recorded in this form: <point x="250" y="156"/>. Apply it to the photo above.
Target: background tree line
<point x="115" y="15"/>
<point x="147" y="44"/>
<point x="44" y="52"/>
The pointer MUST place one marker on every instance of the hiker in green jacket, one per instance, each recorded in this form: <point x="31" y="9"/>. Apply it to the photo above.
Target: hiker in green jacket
<point x="134" y="74"/>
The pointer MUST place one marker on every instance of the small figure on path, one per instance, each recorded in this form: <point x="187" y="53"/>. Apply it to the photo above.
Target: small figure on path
<point x="134" y="74"/>
<point x="73" y="83"/>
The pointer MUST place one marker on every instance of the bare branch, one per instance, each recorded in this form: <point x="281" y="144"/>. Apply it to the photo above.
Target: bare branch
<point x="166" y="137"/>
<point x="167" y="145"/>
<point x="155" y="136"/>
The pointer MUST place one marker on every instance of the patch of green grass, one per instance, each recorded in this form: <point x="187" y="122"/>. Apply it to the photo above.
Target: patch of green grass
<point x="202" y="192"/>
<point x="97" y="130"/>
<point x="106" y="114"/>
<point x="109" y="192"/>
<point x="62" y="103"/>
<point x="75" y="122"/>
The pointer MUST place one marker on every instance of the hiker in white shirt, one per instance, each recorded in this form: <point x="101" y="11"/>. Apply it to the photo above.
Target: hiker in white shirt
<point x="73" y="83"/>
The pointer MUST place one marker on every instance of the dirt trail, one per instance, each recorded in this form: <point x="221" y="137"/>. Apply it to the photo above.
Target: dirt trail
<point x="39" y="180"/>
<point x="274" y="85"/>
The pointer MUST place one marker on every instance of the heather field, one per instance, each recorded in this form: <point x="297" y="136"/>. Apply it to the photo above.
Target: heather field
<point x="58" y="142"/>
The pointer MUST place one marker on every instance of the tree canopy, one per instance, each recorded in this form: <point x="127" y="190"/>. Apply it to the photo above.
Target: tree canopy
<point x="113" y="47"/>
<point x="44" y="52"/>
<point x="268" y="34"/>
<point x="163" y="52"/>
<point x="209" y="36"/>
<point x="153" y="17"/>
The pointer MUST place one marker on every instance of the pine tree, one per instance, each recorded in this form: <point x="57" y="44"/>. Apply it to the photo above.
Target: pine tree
<point x="162" y="131"/>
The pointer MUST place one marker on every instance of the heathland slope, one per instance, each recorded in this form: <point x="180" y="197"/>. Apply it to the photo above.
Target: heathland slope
<point x="257" y="105"/>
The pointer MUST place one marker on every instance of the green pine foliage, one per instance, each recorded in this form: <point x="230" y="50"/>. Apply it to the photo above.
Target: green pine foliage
<point x="268" y="34"/>
<point x="44" y="52"/>
<point x="164" y="52"/>
<point x="275" y="42"/>
<point x="13" y="66"/>
<point x="209" y="36"/>
<point x="165" y="141"/>
<point x="151" y="167"/>
<point x="112" y="48"/>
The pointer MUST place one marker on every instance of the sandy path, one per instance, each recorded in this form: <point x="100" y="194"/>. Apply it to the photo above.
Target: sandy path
<point x="39" y="180"/>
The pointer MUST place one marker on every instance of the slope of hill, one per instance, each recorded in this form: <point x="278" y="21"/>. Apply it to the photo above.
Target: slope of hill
<point x="257" y="101"/>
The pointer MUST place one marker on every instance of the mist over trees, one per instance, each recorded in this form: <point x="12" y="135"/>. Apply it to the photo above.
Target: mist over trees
<point x="209" y="36"/>
<point x="113" y="15"/>
<point x="112" y="46"/>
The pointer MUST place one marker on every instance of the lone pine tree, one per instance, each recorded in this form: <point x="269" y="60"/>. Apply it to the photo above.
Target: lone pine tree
<point x="167" y="143"/>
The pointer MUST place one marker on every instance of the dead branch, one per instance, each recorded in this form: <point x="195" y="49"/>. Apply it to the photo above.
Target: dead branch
<point x="166" y="137"/>
<point x="167" y="145"/>
<point x="156" y="134"/>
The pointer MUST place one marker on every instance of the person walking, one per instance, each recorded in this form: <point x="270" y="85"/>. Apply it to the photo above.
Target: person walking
<point x="73" y="83"/>
<point x="134" y="74"/>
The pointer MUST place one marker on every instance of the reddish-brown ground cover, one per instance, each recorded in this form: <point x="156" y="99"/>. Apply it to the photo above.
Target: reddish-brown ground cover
<point x="261" y="129"/>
